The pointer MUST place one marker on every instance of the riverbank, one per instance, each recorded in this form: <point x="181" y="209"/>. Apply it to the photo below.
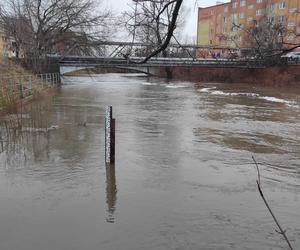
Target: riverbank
<point x="19" y="86"/>
<point x="8" y="67"/>
<point x="271" y="76"/>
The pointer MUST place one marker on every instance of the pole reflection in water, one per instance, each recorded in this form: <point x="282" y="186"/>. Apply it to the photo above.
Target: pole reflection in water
<point x="111" y="193"/>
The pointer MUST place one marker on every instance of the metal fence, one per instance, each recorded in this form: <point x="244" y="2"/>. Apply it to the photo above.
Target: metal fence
<point x="22" y="86"/>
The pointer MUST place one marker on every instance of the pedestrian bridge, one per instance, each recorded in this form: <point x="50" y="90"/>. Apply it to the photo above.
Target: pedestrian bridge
<point x="134" y="63"/>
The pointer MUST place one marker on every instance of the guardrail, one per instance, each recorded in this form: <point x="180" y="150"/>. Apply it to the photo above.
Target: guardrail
<point x="18" y="87"/>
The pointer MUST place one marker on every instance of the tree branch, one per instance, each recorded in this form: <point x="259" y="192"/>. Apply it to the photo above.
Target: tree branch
<point x="171" y="29"/>
<point x="258" y="182"/>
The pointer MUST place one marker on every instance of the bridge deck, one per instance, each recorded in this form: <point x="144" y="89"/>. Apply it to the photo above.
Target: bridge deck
<point x="156" y="62"/>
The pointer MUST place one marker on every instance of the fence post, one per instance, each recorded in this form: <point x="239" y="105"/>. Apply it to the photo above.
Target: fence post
<point x="30" y="85"/>
<point x="42" y="77"/>
<point x="52" y="79"/>
<point x="10" y="80"/>
<point x="110" y="125"/>
<point x="21" y="87"/>
<point x="48" y="81"/>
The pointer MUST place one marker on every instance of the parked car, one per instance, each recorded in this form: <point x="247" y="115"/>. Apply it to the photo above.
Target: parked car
<point x="293" y="55"/>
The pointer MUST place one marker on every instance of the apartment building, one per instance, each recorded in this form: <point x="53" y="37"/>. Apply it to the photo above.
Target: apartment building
<point x="224" y="24"/>
<point x="6" y="45"/>
<point x="1" y="43"/>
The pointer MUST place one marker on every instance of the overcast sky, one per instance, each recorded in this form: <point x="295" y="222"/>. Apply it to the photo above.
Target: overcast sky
<point x="190" y="30"/>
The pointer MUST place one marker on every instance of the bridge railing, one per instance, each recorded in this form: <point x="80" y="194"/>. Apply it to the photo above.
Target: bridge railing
<point x="18" y="87"/>
<point x="159" y="61"/>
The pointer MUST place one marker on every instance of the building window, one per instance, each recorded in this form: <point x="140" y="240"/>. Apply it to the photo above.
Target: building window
<point x="226" y="9"/>
<point x="242" y="15"/>
<point x="249" y="19"/>
<point x="290" y="37"/>
<point x="242" y="3"/>
<point x="292" y="10"/>
<point x="225" y="19"/>
<point x="259" y="1"/>
<point x="250" y="6"/>
<point x="291" y="24"/>
<point x="234" y="5"/>
<point x="259" y="12"/>
<point x="281" y="19"/>
<point x="282" y="5"/>
<point x="271" y="7"/>
<point x="271" y="19"/>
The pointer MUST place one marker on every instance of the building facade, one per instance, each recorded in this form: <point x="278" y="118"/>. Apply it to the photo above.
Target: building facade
<point x="6" y="45"/>
<point x="225" y="24"/>
<point x="2" y="43"/>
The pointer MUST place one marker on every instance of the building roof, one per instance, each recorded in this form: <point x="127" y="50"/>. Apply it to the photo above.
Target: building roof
<point x="213" y="6"/>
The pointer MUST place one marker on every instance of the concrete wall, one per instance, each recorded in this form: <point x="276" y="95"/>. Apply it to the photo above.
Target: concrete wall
<point x="278" y="76"/>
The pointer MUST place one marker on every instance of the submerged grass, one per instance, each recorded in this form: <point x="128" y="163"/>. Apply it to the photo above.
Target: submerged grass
<point x="30" y="121"/>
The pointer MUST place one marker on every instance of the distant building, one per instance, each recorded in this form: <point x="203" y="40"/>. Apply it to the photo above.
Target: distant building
<point x="224" y="24"/>
<point x="2" y="38"/>
<point x="7" y="45"/>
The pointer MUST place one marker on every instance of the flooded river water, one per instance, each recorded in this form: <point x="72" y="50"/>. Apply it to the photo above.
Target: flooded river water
<point x="183" y="179"/>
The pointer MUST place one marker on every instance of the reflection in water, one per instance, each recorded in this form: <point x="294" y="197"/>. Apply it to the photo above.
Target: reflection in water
<point x="111" y="192"/>
<point x="190" y="185"/>
<point x="25" y="136"/>
<point x="21" y="149"/>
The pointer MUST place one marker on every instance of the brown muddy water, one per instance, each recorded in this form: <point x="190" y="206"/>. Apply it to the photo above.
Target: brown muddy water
<point x="183" y="179"/>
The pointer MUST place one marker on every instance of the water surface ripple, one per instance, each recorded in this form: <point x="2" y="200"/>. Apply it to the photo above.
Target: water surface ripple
<point x="183" y="177"/>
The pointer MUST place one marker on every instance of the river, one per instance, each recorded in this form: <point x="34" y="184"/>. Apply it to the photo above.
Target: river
<point x="183" y="179"/>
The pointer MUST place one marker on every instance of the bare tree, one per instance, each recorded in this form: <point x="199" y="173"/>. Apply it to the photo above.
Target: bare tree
<point x="40" y="27"/>
<point x="265" y="40"/>
<point x="153" y="22"/>
<point x="265" y="37"/>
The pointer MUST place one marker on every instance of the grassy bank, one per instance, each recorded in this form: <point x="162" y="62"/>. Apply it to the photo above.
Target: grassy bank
<point x="18" y="86"/>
